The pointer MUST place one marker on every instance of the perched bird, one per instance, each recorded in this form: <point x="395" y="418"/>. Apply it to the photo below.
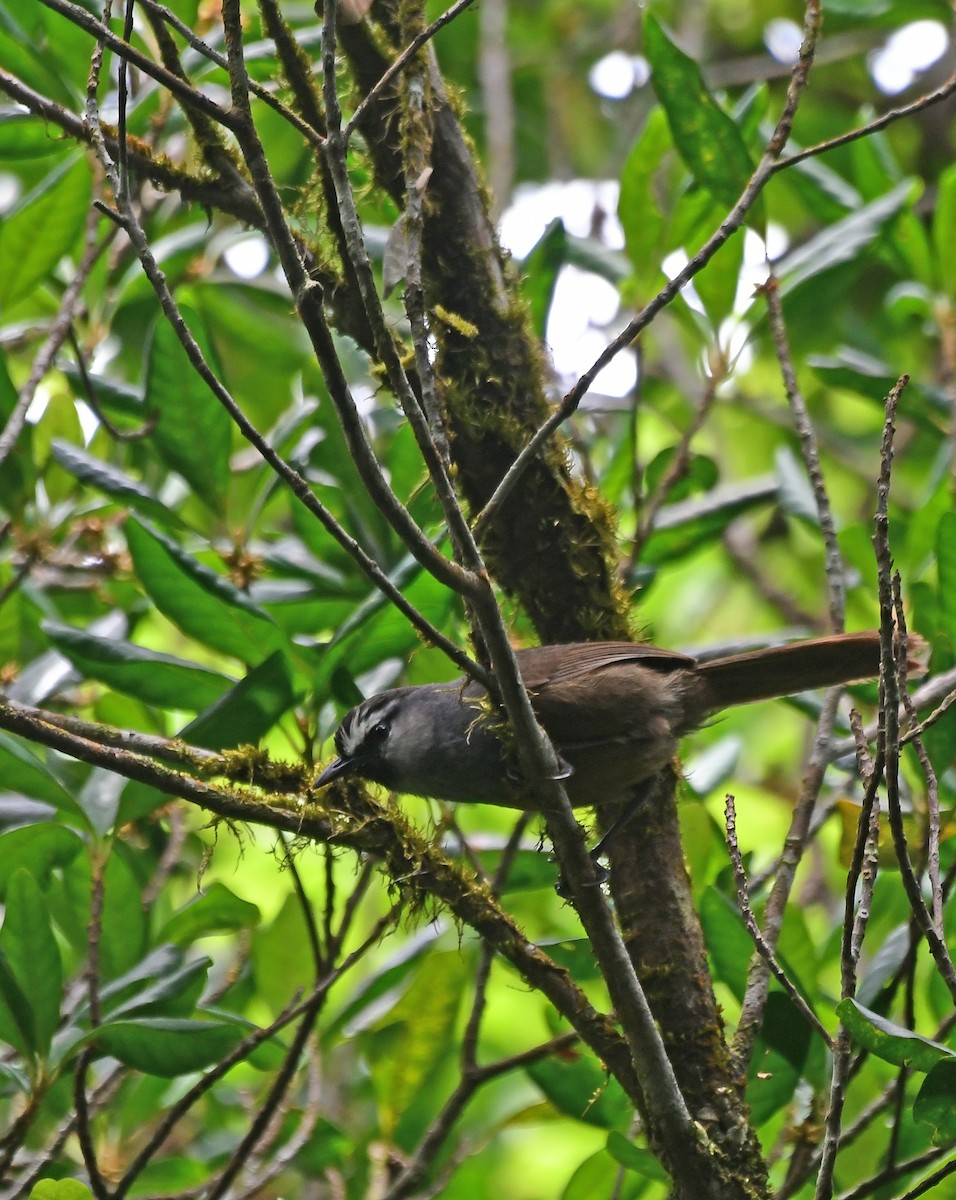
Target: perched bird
<point x="614" y="712"/>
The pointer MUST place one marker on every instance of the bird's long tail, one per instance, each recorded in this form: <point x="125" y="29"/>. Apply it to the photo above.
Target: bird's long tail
<point x="799" y="666"/>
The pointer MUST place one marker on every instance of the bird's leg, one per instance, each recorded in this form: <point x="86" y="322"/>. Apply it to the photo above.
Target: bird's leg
<point x="625" y="814"/>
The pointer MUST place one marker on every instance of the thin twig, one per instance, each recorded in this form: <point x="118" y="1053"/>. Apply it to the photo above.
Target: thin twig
<point x="803" y="425"/>
<point x="408" y="1180"/>
<point x="898" y="1170"/>
<point x="381" y="836"/>
<point x="797" y="838"/>
<point x="294" y="1010"/>
<point x="743" y="899"/>
<point x="895" y="114"/>
<point x="308" y="299"/>
<point x="893" y="637"/>
<point x="465" y="546"/>
<point x="929" y="773"/>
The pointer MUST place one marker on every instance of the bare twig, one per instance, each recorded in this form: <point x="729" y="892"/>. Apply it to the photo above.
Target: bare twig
<point x="897" y="1170"/>
<point x="765" y="952"/>
<point x="914" y="737"/>
<point x="944" y="91"/>
<point x="385" y="838"/>
<point x="835" y="569"/>
<point x="296" y="1009"/>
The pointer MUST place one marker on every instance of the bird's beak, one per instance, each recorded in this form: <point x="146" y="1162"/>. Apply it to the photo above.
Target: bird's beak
<point x="335" y="770"/>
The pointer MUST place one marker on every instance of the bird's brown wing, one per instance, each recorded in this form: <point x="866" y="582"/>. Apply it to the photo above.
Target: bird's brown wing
<point x="612" y="709"/>
<point x="544" y="665"/>
<point x="597" y="693"/>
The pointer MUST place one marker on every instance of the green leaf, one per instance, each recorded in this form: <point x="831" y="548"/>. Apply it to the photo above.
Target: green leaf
<point x="795" y="492"/>
<point x="282" y="956"/>
<point x="38" y="849"/>
<point x="174" y="993"/>
<point x="109" y="479"/>
<point x="18" y="477"/>
<point x="33" y="956"/>
<point x="203" y="604"/>
<point x="162" y="984"/>
<point x="193" y="432"/>
<point x="842" y="241"/>
<point x="376" y="631"/>
<point x="706" y="138"/>
<point x="717" y="284"/>
<point x="729" y="944"/>
<point x="124" y="924"/>
<point x="22" y="771"/>
<point x="935" y="1103"/>
<point x="247" y="711"/>
<point x="944" y="222"/>
<point x="540" y="270"/>
<point x="579" y="1087"/>
<point x="43" y="228"/>
<point x="414" y="1036"/>
<point x="638" y="206"/>
<point x="167" y="1046"/>
<point x="700" y="475"/>
<point x="153" y="678"/>
<point x="635" y="1158"/>
<point x="889" y="1041"/>
<point x="217" y="910"/>
<point x="16" y="1012"/>
<point x="60" y="1189"/>
<point x="367" y="996"/>
<point x="22" y="135"/>
<point x="697" y="521"/>
<point x="779" y="1058"/>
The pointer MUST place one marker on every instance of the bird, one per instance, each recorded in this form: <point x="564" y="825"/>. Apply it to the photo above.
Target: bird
<point x="614" y="711"/>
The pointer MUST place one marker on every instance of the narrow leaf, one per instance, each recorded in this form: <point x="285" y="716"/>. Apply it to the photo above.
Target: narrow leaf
<point x="167" y="1046"/>
<point x="203" y="604"/>
<point x="37" y="849"/>
<point x="148" y="676"/>
<point x="22" y="771"/>
<point x="893" y="1043"/>
<point x="44" y="227"/>
<point x="109" y="479"/>
<point x="27" y="941"/>
<point x="247" y="711"/>
<point x="944" y="222"/>
<point x="935" y="1103"/>
<point x="217" y="910"/>
<point x="946" y="566"/>
<point x="193" y="431"/>
<point x="842" y="241"/>
<point x="638" y="207"/>
<point x="706" y="138"/>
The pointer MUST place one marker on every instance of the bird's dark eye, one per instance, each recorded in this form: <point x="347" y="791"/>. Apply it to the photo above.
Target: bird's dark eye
<point x="377" y="734"/>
